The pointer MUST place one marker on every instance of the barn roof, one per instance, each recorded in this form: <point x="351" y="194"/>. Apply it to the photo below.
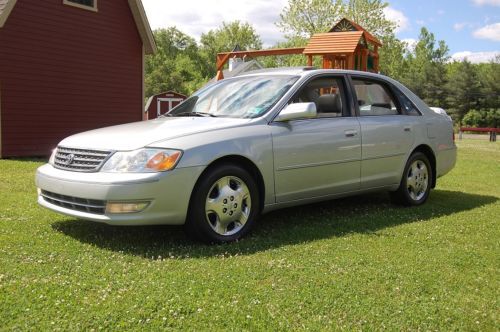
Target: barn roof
<point x="345" y="42"/>
<point x="136" y="8"/>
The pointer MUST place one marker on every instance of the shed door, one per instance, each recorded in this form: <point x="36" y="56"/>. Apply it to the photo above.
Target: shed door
<point x="166" y="104"/>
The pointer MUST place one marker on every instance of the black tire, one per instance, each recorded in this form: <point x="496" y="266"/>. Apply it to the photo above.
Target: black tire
<point x="224" y="205"/>
<point x="416" y="181"/>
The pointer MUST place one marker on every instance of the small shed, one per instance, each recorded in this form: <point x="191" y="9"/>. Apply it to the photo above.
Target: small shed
<point x="162" y="103"/>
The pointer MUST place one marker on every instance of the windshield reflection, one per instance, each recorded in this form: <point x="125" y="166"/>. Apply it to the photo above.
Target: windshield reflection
<point x="242" y="97"/>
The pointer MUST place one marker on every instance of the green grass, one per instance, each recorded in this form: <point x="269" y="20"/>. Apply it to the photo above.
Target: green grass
<point x="358" y="263"/>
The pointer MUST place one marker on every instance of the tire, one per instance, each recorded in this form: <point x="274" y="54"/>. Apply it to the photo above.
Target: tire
<point x="224" y="205"/>
<point x="415" y="183"/>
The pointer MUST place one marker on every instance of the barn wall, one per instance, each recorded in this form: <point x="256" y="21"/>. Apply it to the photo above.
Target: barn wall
<point x="65" y="70"/>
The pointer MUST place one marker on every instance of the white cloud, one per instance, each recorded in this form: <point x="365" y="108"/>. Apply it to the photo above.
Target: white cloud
<point x="475" y="57"/>
<point x="491" y="32"/>
<point x="195" y="17"/>
<point x="410" y="43"/>
<point x="487" y="2"/>
<point x="420" y="22"/>
<point x="398" y="18"/>
<point x="459" y="26"/>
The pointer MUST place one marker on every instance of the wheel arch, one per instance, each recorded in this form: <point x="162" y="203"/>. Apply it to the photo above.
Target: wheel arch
<point x="429" y="153"/>
<point x="244" y="163"/>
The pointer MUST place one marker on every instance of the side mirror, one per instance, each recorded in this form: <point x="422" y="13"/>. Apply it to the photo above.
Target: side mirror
<point x="297" y="111"/>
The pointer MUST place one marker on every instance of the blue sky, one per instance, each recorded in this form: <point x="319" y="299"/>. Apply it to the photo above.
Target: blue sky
<point x="465" y="25"/>
<point x="470" y="27"/>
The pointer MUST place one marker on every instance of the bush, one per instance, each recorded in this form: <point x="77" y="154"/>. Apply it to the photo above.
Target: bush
<point x="482" y="118"/>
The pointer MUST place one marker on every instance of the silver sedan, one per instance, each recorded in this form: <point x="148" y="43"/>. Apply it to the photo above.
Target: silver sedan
<point x="251" y="144"/>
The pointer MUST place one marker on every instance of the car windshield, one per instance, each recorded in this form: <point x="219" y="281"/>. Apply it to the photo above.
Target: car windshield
<point x="242" y="97"/>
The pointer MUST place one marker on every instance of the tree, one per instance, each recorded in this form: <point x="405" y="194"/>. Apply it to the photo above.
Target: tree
<point x="303" y="18"/>
<point x="176" y="64"/>
<point x="370" y="15"/>
<point x="426" y="69"/>
<point x="392" y="57"/>
<point x="489" y="76"/>
<point x="224" y="39"/>
<point x="462" y="89"/>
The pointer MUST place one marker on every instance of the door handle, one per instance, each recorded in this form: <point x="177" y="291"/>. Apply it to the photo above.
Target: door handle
<point x="407" y="128"/>
<point x="350" y="133"/>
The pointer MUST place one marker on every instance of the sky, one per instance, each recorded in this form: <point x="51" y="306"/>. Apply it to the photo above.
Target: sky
<point x="470" y="28"/>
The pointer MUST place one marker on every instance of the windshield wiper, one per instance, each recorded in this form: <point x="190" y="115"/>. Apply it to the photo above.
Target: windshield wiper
<point x="195" y="114"/>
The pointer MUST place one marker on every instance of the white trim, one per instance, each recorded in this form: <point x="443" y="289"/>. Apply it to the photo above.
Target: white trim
<point x="143" y="85"/>
<point x="143" y="27"/>
<point x="73" y="4"/>
<point x="6" y="12"/>
<point x="170" y="101"/>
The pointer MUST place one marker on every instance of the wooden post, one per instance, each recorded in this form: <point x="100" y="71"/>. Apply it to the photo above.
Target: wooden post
<point x="350" y="62"/>
<point x="325" y="62"/>
<point x="309" y="60"/>
<point x="364" y="66"/>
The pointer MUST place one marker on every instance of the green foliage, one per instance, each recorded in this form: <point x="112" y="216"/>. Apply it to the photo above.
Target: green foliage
<point x="462" y="89"/>
<point x="425" y="69"/>
<point x="303" y="18"/>
<point x="176" y="64"/>
<point x="488" y="75"/>
<point x="370" y="15"/>
<point x="484" y="118"/>
<point x="224" y="39"/>
<point x="286" y="60"/>
<point x="355" y="264"/>
<point x="392" y="57"/>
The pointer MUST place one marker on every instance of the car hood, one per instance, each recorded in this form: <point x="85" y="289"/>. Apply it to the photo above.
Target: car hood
<point x="136" y="135"/>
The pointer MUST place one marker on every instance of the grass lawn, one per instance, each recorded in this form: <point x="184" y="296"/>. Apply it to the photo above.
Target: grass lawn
<point x="358" y="263"/>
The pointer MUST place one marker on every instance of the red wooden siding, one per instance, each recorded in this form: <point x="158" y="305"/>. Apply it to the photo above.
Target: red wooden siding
<point x="64" y="70"/>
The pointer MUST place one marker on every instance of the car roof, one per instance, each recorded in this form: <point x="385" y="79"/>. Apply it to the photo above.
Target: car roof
<point x="306" y="72"/>
<point x="309" y="71"/>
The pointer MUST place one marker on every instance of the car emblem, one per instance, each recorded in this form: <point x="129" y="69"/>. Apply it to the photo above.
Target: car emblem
<point x="69" y="159"/>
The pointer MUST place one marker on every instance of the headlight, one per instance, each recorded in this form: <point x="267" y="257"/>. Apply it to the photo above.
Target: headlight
<point x="142" y="161"/>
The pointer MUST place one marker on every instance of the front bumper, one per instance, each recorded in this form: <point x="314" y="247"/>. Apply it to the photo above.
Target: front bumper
<point x="168" y="193"/>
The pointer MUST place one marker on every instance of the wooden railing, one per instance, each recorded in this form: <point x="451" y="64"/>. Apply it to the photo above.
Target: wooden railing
<point x="493" y="132"/>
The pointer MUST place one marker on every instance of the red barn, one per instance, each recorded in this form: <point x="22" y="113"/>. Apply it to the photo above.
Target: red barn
<point x="162" y="103"/>
<point x="68" y="66"/>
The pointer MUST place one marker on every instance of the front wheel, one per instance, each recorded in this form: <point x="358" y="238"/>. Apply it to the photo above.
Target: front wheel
<point x="415" y="184"/>
<point x="224" y="205"/>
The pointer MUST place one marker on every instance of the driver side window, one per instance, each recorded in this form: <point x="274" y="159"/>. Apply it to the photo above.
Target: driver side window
<point x="327" y="93"/>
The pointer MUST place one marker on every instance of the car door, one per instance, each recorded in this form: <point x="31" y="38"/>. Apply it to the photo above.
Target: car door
<point x="387" y="135"/>
<point x="319" y="156"/>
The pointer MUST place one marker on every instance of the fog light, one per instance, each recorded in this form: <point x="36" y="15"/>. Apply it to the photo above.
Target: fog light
<point x="125" y="207"/>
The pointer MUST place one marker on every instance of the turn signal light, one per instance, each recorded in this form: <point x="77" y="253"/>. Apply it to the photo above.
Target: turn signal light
<point x="163" y="161"/>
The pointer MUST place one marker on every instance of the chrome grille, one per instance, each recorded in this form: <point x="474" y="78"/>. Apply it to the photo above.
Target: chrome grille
<point x="80" y="160"/>
<point x="75" y="203"/>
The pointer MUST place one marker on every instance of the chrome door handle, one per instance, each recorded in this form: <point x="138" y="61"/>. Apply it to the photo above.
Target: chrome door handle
<point x="350" y="133"/>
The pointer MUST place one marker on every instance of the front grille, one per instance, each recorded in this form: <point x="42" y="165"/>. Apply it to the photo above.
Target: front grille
<point x="75" y="203"/>
<point x="80" y="160"/>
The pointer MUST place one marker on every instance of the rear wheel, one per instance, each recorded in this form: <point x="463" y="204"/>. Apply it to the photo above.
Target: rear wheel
<point x="415" y="184"/>
<point x="224" y="205"/>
